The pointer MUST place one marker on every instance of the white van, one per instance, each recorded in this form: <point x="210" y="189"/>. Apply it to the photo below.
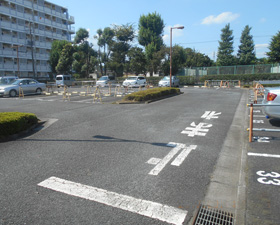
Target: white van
<point x="62" y="80"/>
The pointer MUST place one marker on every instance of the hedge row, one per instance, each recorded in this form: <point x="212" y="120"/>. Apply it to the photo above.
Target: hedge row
<point x="15" y="122"/>
<point x="151" y="94"/>
<point x="242" y="77"/>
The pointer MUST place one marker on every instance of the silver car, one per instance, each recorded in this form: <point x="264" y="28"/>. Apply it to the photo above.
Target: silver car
<point x="272" y="97"/>
<point x="165" y="82"/>
<point x="135" y="81"/>
<point x="28" y="86"/>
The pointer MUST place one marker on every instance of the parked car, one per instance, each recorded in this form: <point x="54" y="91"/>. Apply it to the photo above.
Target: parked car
<point x="7" y="79"/>
<point x="272" y="97"/>
<point x="105" y="80"/>
<point x="29" y="86"/>
<point x="165" y="82"/>
<point x="62" y="80"/>
<point x="134" y="81"/>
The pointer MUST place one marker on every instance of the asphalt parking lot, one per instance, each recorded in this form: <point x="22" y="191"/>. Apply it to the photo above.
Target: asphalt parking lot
<point x="79" y="144"/>
<point x="263" y="199"/>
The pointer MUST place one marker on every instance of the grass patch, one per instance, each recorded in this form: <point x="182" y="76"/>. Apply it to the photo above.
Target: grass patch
<point x="15" y="122"/>
<point x="151" y="94"/>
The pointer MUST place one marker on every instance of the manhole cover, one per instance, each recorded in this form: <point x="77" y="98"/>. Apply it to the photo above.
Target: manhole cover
<point x="211" y="216"/>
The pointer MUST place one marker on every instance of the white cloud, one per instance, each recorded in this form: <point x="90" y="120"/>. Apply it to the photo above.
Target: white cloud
<point x="224" y="17"/>
<point x="261" y="45"/>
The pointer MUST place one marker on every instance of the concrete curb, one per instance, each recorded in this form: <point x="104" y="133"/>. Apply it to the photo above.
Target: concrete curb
<point x="227" y="188"/>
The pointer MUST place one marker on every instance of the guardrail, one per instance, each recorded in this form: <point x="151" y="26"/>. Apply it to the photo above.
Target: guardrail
<point x="251" y="128"/>
<point x="222" y="83"/>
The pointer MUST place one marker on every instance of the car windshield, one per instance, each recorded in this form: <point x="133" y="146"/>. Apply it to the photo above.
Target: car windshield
<point x="166" y="78"/>
<point x="6" y="81"/>
<point x="103" y="78"/>
<point x="131" y="78"/>
<point x="16" y="82"/>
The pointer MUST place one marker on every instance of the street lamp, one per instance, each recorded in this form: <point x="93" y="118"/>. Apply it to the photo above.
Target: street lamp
<point x="182" y="27"/>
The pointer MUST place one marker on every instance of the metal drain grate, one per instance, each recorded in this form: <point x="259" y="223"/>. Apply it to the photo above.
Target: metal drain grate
<point x="212" y="216"/>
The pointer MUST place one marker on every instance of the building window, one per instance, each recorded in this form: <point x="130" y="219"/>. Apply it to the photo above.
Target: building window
<point x="20" y="8"/>
<point x="40" y="2"/>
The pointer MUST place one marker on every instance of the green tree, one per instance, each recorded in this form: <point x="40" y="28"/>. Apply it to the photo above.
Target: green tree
<point x="137" y="60"/>
<point x="196" y="59"/>
<point x="55" y="52"/>
<point x="81" y="36"/>
<point x="246" y="52"/>
<point x="104" y="40"/>
<point x="124" y="35"/>
<point x="150" y="36"/>
<point x="178" y="60"/>
<point x="274" y="47"/>
<point x="225" y="50"/>
<point x="83" y="64"/>
<point x="64" y="65"/>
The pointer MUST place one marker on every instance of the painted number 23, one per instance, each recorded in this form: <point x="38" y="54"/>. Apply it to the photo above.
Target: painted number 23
<point x="264" y="178"/>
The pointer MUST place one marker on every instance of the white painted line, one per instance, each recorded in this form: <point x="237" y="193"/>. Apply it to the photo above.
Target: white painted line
<point x="165" y="160"/>
<point x="153" y="161"/>
<point x="183" y="155"/>
<point x="263" y="155"/>
<point x="150" y="209"/>
<point x="258" y="116"/>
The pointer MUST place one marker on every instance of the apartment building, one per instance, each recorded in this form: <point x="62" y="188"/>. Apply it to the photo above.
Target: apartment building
<point x="27" y="30"/>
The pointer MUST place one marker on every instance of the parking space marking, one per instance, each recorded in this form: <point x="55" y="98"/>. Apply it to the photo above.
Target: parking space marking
<point x="263" y="155"/>
<point x="150" y="209"/>
<point x="161" y="163"/>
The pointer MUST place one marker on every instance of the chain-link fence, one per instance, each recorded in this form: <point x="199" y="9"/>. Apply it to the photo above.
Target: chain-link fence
<point x="231" y="70"/>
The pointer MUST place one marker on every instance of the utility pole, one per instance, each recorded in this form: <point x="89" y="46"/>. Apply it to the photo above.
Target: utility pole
<point x="32" y="50"/>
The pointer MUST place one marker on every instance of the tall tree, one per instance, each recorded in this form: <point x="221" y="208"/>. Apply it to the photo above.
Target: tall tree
<point x="55" y="52"/>
<point x="137" y="60"/>
<point x="124" y="35"/>
<point x="225" y="50"/>
<point x="104" y="40"/>
<point x="274" y="47"/>
<point x="150" y="36"/>
<point x="246" y="52"/>
<point x="64" y="65"/>
<point x="81" y="36"/>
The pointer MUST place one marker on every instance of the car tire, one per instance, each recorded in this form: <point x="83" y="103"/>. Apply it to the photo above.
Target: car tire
<point x="13" y="93"/>
<point x="38" y="91"/>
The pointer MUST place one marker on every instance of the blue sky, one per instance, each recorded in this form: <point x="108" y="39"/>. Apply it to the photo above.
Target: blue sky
<point x="202" y="19"/>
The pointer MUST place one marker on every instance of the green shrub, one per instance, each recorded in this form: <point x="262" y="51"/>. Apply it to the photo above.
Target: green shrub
<point x="15" y="122"/>
<point x="151" y="94"/>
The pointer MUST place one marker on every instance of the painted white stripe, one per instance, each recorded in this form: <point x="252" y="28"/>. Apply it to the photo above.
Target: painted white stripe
<point x="263" y="155"/>
<point x="143" y="207"/>
<point x="183" y="155"/>
<point x="165" y="160"/>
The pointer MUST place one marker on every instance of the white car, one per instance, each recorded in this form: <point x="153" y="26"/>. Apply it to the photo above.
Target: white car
<point x="272" y="97"/>
<point x="105" y="80"/>
<point x="135" y="81"/>
<point x="28" y="86"/>
<point x="165" y="82"/>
